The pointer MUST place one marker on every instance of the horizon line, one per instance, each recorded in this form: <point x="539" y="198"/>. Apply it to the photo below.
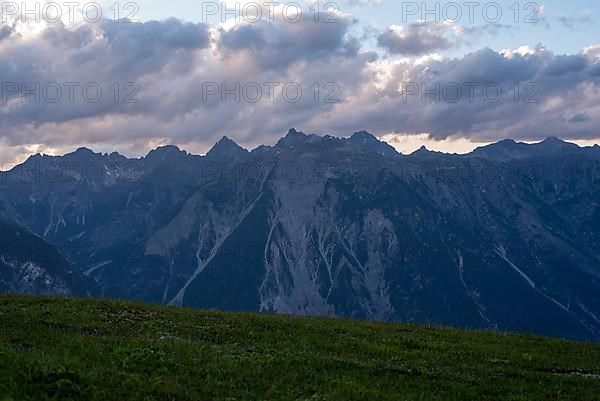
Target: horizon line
<point x="581" y="143"/>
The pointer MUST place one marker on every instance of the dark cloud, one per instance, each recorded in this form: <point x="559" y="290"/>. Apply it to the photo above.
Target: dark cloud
<point x="172" y="61"/>
<point x="244" y="37"/>
<point x="5" y="31"/>
<point x="486" y="65"/>
<point x="100" y="54"/>
<point x="562" y="65"/>
<point x="579" y="118"/>
<point x="540" y="105"/>
<point x="278" y="45"/>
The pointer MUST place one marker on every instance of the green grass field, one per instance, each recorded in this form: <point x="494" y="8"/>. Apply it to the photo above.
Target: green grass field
<point x="58" y="349"/>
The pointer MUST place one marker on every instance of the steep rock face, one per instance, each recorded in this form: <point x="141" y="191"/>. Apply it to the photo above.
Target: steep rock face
<point x="342" y="227"/>
<point x="30" y="265"/>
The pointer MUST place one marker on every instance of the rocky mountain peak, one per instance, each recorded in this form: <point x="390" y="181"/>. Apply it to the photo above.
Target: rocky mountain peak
<point x="556" y="143"/>
<point x="292" y="138"/>
<point x="84" y="151"/>
<point x="83" y="154"/>
<point x="364" y="137"/>
<point x="350" y="236"/>
<point x="369" y="143"/>
<point x="228" y="149"/>
<point x="553" y="140"/>
<point x="421" y="151"/>
<point x="507" y="143"/>
<point x="165" y="150"/>
<point x="163" y="153"/>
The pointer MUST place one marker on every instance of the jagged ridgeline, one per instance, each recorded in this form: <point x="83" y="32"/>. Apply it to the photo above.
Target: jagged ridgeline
<point x="506" y="237"/>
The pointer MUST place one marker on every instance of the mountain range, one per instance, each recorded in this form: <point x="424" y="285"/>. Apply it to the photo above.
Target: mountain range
<point x="506" y="237"/>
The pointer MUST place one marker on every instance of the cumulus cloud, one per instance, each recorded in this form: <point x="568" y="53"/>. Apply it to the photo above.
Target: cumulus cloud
<point x="418" y="38"/>
<point x="592" y="51"/>
<point x="277" y="46"/>
<point x="426" y="37"/>
<point x="539" y="94"/>
<point x="344" y="87"/>
<point x="44" y="78"/>
<point x="171" y="62"/>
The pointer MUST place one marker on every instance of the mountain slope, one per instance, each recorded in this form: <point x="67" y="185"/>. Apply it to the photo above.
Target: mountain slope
<point x="336" y="227"/>
<point x="29" y="265"/>
<point x="550" y="147"/>
<point x="92" y="350"/>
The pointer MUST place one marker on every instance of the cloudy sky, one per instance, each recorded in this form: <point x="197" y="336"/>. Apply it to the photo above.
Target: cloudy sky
<point x="134" y="75"/>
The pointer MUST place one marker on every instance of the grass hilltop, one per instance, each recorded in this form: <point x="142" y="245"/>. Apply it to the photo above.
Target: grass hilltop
<point x="74" y="349"/>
